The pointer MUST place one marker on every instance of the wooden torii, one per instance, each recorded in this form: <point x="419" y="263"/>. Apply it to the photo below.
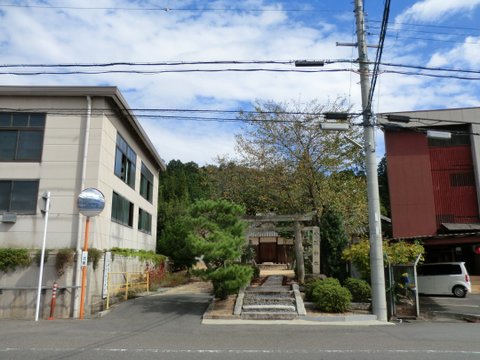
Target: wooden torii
<point x="297" y="219"/>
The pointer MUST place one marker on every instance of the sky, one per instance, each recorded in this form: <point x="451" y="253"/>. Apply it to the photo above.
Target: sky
<point x="439" y="34"/>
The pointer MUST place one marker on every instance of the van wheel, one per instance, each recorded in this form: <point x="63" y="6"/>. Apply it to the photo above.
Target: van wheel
<point x="459" y="291"/>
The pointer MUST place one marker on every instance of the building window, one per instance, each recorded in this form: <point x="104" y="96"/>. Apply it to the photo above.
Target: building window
<point x="122" y="210"/>
<point x="144" y="221"/>
<point x="21" y="136"/>
<point x="125" y="162"/>
<point x="462" y="179"/>
<point x="146" y="183"/>
<point x="19" y="196"/>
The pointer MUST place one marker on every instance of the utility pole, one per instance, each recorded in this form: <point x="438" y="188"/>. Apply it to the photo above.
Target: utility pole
<point x="377" y="274"/>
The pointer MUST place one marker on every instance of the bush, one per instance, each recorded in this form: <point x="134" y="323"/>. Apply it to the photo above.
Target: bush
<point x="228" y="280"/>
<point x="10" y="258"/>
<point x="310" y="292"/>
<point x="333" y="298"/>
<point x="65" y="258"/>
<point x="360" y="289"/>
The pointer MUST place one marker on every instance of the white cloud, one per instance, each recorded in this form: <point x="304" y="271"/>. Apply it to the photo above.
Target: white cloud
<point x="434" y="10"/>
<point x="33" y="35"/>
<point x="464" y="55"/>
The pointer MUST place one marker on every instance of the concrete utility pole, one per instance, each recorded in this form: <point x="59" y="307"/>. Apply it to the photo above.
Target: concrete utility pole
<point x="379" y="301"/>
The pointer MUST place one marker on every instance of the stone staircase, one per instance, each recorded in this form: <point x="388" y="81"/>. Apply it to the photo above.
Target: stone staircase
<point x="270" y="301"/>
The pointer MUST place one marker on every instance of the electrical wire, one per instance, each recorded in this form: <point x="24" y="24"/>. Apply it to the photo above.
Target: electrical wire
<point x="378" y="57"/>
<point x="169" y="9"/>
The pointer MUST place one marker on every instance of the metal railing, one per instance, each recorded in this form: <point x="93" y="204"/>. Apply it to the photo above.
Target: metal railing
<point x="125" y="282"/>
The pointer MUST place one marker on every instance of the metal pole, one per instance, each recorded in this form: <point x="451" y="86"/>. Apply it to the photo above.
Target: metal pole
<point x="42" y="257"/>
<point x="379" y="302"/>
<point x="84" y="268"/>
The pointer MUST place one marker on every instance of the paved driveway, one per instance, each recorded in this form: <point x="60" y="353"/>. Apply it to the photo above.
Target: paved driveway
<point x="449" y="307"/>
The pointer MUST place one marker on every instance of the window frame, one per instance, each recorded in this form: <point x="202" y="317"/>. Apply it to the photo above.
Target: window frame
<point x="33" y="200"/>
<point x="146" y="183"/>
<point x="125" y="166"/>
<point x="33" y="123"/>
<point x="120" y="214"/>
<point x="144" y="221"/>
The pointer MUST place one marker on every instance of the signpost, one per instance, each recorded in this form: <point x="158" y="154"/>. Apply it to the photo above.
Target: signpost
<point x="90" y="203"/>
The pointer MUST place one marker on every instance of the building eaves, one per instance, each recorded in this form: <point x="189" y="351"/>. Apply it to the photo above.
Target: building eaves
<point x="111" y="92"/>
<point x="433" y="118"/>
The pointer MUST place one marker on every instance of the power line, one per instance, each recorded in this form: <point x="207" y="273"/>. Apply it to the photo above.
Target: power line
<point x="156" y="72"/>
<point x="163" y="63"/>
<point x="169" y="9"/>
<point x="378" y="57"/>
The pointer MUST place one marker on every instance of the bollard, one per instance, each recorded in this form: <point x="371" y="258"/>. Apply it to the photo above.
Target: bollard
<point x="54" y="300"/>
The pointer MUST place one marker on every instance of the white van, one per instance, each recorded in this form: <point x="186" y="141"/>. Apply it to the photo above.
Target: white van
<point x="443" y="279"/>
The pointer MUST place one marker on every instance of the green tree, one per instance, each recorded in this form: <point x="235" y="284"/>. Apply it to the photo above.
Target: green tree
<point x="179" y="186"/>
<point x="383" y="186"/>
<point x="217" y="232"/>
<point x="397" y="252"/>
<point x="301" y="167"/>
<point x="334" y="241"/>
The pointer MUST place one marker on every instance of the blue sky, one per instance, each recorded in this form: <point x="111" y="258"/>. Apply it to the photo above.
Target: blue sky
<point x="428" y="33"/>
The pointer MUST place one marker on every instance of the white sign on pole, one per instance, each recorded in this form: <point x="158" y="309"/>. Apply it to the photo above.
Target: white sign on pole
<point x="84" y="258"/>
<point x="107" y="265"/>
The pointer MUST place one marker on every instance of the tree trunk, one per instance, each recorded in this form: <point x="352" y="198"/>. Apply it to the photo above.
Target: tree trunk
<point x="299" y="253"/>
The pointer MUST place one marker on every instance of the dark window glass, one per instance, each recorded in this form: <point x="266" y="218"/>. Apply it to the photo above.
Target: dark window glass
<point x="29" y="145"/>
<point x="125" y="161"/>
<point x="122" y="210"/>
<point x="20" y="120"/>
<point x="119" y="164"/>
<point x="5" y="190"/>
<point x="144" y="221"/>
<point x="5" y="119"/>
<point x="37" y="120"/>
<point x="21" y="136"/>
<point x="19" y="196"/>
<point x="462" y="179"/>
<point x="146" y="183"/>
<point x="440" y="269"/>
<point x="8" y="145"/>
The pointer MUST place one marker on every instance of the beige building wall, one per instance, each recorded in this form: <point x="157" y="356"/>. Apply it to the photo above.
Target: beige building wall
<point x="60" y="173"/>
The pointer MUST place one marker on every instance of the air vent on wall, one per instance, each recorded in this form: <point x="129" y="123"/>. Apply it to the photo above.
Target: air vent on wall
<point x="9" y="217"/>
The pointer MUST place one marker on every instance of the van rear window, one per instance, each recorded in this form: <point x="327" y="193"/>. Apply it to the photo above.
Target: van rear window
<point x="440" y="269"/>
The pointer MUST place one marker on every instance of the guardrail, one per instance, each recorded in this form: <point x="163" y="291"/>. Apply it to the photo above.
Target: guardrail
<point x="125" y="282"/>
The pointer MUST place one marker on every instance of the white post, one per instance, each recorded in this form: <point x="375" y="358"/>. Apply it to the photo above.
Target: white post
<point x="379" y="301"/>
<point x="42" y="257"/>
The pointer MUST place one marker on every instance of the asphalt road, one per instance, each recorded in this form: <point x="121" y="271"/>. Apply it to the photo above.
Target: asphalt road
<point x="169" y="327"/>
<point x="451" y="307"/>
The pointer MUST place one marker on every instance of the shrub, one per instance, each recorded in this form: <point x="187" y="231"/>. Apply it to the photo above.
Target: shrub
<point x="64" y="258"/>
<point x="311" y="292"/>
<point x="333" y="298"/>
<point x="10" y="258"/>
<point x="94" y="256"/>
<point x="360" y="289"/>
<point x="228" y="280"/>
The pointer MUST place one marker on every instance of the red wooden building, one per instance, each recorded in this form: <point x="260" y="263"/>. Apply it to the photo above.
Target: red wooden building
<point x="434" y="182"/>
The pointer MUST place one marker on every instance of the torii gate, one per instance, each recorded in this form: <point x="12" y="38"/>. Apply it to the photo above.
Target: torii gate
<point x="297" y="220"/>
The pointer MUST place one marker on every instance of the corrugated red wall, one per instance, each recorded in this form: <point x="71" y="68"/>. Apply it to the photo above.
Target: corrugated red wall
<point x="410" y="184"/>
<point x="428" y="185"/>
<point x="454" y="185"/>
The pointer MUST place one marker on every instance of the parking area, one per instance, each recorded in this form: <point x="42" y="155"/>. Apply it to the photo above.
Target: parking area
<point x="451" y="308"/>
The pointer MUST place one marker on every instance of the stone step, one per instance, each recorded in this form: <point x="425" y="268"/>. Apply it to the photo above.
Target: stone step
<point x="268" y="289"/>
<point x="270" y="307"/>
<point x="268" y="301"/>
<point x="255" y="315"/>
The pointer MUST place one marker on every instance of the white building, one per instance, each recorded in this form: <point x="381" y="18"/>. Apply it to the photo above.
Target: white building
<point x="64" y="139"/>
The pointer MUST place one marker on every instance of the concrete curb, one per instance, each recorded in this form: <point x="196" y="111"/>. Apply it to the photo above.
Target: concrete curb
<point x="297" y="322"/>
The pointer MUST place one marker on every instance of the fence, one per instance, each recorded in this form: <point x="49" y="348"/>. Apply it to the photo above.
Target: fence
<point x="125" y="282"/>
